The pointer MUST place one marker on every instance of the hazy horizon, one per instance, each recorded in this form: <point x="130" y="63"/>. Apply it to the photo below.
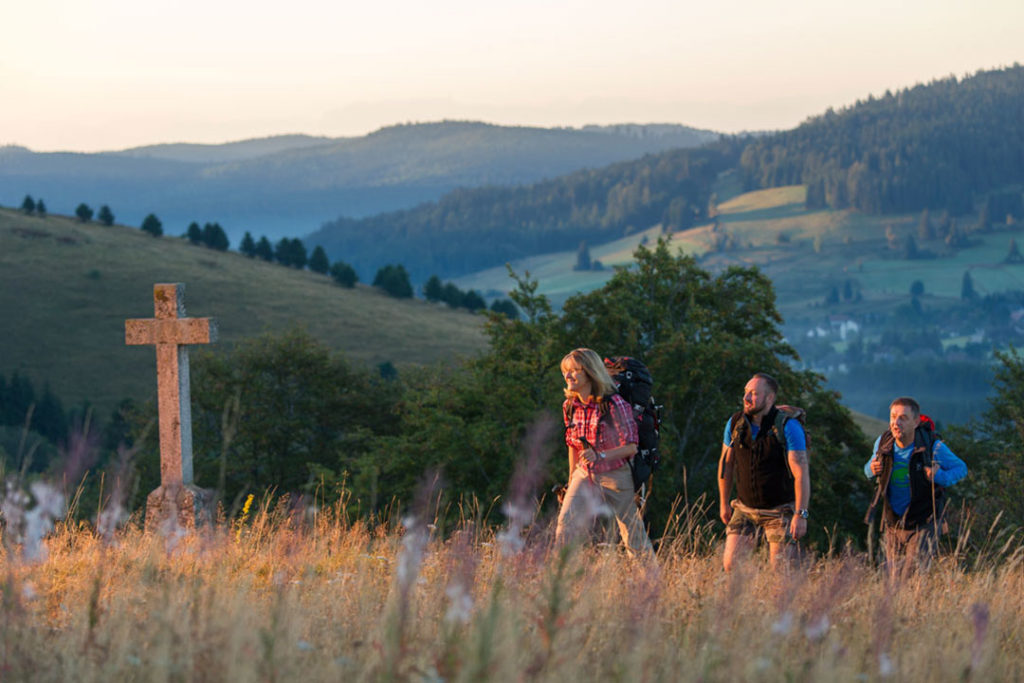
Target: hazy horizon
<point x="116" y="74"/>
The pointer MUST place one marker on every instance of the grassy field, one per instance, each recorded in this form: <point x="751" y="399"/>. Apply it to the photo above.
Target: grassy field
<point x="282" y="595"/>
<point x="66" y="289"/>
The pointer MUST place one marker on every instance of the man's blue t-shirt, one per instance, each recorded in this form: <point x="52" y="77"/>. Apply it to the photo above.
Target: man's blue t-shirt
<point x="951" y="470"/>
<point x="796" y="440"/>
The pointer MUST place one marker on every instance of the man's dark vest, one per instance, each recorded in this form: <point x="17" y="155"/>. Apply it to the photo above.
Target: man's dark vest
<point x="923" y="503"/>
<point x="763" y="479"/>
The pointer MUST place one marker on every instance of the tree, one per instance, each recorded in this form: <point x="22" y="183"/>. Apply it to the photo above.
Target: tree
<point x="344" y="274"/>
<point x="702" y="336"/>
<point x="105" y="216"/>
<point x="506" y="308"/>
<point x="916" y="288"/>
<point x="291" y="252"/>
<point x="910" y="251"/>
<point x="152" y="225"/>
<point x="394" y="280"/>
<point x="994" y="447"/>
<point x="264" y="250"/>
<point x="433" y="290"/>
<point x="452" y="295"/>
<point x="194" y="233"/>
<point x="984" y="219"/>
<point x="473" y="301"/>
<point x="1014" y="255"/>
<point x="214" y="237"/>
<point x="41" y="207"/>
<point x="925" y="229"/>
<point x="300" y="417"/>
<point x="248" y="245"/>
<point x="83" y="212"/>
<point x="318" y="262"/>
<point x="582" y="257"/>
<point x="28" y="205"/>
<point x="967" y="292"/>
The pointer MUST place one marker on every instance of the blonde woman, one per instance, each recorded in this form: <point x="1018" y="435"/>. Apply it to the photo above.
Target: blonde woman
<point x="601" y="435"/>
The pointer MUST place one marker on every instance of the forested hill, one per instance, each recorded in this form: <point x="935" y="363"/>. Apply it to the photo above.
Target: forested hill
<point x="472" y="229"/>
<point x="940" y="146"/>
<point x="290" y="185"/>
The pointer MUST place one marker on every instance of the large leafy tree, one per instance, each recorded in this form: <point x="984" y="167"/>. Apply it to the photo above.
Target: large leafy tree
<point x="993" y="448"/>
<point x="279" y="412"/>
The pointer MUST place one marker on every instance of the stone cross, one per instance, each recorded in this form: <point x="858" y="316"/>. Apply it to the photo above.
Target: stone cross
<point x="171" y="332"/>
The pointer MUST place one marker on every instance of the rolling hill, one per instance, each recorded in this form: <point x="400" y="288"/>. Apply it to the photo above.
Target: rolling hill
<point x="67" y="287"/>
<point x="291" y="185"/>
<point x="953" y="144"/>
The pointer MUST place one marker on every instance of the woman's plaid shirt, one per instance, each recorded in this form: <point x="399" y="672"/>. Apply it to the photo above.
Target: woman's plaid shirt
<point x="583" y="420"/>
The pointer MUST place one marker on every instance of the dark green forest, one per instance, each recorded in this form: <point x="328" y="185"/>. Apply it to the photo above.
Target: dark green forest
<point x="938" y="146"/>
<point x="472" y="229"/>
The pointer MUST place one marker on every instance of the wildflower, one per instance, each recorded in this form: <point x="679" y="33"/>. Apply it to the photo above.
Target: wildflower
<point x="244" y="516"/>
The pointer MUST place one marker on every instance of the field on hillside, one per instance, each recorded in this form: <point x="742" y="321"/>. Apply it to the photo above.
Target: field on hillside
<point x="66" y="289"/>
<point x="288" y="594"/>
<point x="805" y="252"/>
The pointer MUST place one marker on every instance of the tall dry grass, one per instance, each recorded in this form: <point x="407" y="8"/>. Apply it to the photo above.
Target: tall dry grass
<point x="285" y="595"/>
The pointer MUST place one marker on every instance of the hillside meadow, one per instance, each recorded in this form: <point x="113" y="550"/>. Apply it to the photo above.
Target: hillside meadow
<point x="283" y="593"/>
<point x="819" y="249"/>
<point x="67" y="287"/>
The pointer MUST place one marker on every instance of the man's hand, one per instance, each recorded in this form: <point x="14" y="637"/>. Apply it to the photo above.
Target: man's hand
<point x="797" y="527"/>
<point x="725" y="511"/>
<point x="876" y="467"/>
<point x="930" y="472"/>
<point x="588" y="454"/>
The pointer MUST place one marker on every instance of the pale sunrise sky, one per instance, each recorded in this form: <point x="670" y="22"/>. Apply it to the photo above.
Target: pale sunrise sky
<point x="88" y="75"/>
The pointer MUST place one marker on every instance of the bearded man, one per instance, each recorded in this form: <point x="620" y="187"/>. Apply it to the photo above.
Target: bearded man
<point x="765" y="454"/>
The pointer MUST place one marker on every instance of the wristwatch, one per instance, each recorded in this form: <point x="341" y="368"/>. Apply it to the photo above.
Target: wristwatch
<point x="601" y="455"/>
<point x="802" y="512"/>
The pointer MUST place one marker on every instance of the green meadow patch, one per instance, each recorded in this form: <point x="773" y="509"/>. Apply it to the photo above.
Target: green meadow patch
<point x="67" y="287"/>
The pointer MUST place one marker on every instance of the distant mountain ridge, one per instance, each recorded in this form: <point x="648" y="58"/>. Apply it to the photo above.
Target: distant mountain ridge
<point x="290" y="185"/>
<point x="952" y="144"/>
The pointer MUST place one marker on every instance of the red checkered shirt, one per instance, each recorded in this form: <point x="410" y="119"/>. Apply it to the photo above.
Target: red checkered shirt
<point x="618" y="428"/>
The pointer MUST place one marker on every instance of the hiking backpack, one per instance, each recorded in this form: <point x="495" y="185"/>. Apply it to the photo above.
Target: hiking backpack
<point x="634" y="384"/>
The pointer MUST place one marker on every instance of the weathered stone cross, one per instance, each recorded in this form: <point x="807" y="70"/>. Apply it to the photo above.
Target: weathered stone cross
<point x="170" y="331"/>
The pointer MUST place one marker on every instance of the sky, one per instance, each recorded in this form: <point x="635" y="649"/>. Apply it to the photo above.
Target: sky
<point x="111" y="74"/>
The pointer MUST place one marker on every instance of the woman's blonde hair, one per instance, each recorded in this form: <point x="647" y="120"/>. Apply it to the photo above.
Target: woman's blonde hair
<point x="601" y="383"/>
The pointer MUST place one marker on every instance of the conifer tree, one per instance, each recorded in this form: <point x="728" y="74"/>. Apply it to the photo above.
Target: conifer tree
<point x="473" y="301"/>
<point x="1014" y="255"/>
<point x="967" y="292"/>
<point x="318" y="262"/>
<point x="264" y="250"/>
<point x="344" y="274"/>
<point x="41" y="207"/>
<point x="433" y="290"/>
<point x="394" y="280"/>
<point x="194" y="233"/>
<point x="215" y="237"/>
<point x="28" y="205"/>
<point x="925" y="229"/>
<point x="152" y="225"/>
<point x="105" y="216"/>
<point x="83" y="212"/>
<point x="248" y="245"/>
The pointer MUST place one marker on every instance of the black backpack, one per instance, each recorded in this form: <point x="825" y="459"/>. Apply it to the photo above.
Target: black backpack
<point x="634" y="383"/>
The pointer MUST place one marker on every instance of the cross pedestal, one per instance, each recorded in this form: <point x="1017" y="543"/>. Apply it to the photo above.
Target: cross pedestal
<point x="177" y="500"/>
